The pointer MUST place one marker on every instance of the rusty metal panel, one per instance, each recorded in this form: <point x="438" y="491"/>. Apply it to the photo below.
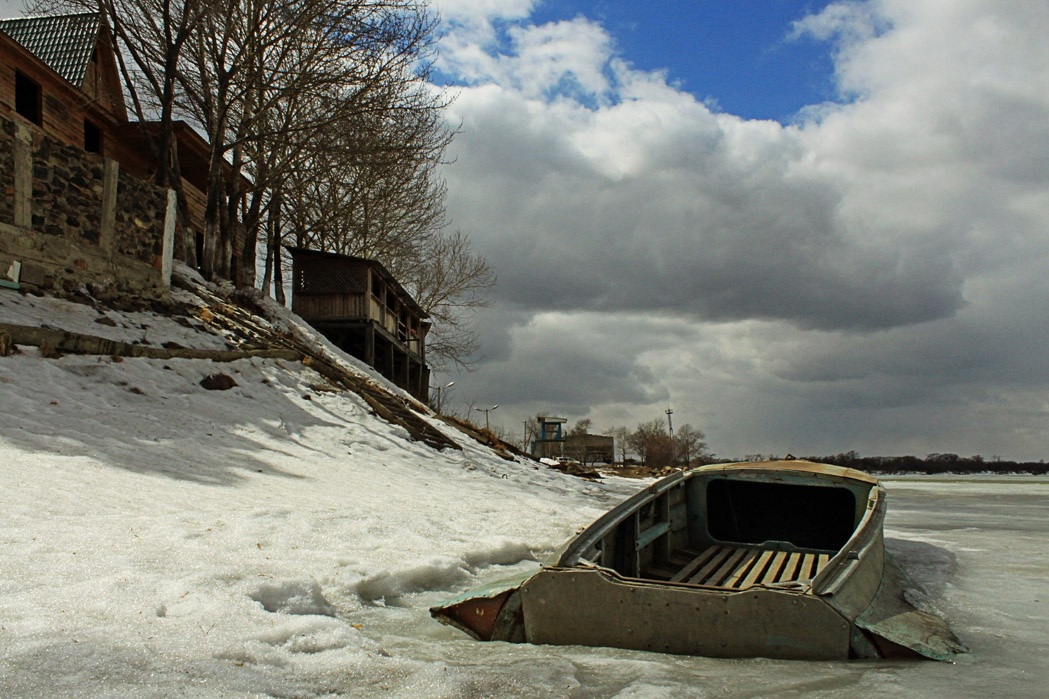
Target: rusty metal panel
<point x="477" y="616"/>
<point x="890" y="617"/>
<point x="595" y="607"/>
<point x="477" y="612"/>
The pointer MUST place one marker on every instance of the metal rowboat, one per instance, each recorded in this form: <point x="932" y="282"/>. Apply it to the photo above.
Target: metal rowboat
<point x="779" y="559"/>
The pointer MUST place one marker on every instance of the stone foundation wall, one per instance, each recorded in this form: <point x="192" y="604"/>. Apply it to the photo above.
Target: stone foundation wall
<point x="141" y="209"/>
<point x="7" y="173"/>
<point x="73" y="219"/>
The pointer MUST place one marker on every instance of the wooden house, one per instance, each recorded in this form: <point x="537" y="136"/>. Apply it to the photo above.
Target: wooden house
<point x="357" y="304"/>
<point x="60" y="74"/>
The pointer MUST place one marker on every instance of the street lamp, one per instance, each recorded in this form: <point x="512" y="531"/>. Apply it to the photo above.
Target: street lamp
<point x="486" y="411"/>
<point x="438" y="390"/>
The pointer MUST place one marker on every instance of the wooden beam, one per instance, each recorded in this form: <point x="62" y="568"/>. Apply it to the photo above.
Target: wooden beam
<point x="369" y="345"/>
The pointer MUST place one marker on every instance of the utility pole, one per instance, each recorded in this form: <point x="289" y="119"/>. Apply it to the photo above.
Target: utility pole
<point x="670" y="425"/>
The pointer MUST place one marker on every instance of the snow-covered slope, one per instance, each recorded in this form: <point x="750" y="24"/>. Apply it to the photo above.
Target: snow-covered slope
<point x="160" y="538"/>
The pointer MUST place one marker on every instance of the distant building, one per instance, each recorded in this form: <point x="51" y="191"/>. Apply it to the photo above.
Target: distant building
<point x="590" y="448"/>
<point x="357" y="304"/>
<point x="550" y="442"/>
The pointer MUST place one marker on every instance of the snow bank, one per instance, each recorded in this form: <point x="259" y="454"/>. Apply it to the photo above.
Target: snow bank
<point x="161" y="537"/>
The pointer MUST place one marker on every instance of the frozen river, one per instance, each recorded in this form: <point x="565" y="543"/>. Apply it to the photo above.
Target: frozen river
<point x="978" y="546"/>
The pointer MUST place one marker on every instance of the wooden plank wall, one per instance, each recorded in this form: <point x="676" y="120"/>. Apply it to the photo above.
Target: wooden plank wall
<point x="329" y="306"/>
<point x="64" y="108"/>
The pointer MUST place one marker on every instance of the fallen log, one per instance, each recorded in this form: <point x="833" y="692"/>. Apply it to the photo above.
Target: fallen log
<point x="67" y="342"/>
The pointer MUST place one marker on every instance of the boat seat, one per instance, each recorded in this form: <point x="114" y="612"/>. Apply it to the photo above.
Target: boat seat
<point x="742" y="567"/>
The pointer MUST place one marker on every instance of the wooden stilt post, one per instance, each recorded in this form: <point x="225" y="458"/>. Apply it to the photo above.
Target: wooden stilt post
<point x="369" y="344"/>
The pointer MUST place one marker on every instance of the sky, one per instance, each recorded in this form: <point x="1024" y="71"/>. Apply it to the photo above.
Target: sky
<point x="735" y="56"/>
<point x="804" y="227"/>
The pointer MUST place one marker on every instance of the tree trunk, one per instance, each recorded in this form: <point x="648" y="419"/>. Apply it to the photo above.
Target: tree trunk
<point x="278" y="277"/>
<point x="272" y="241"/>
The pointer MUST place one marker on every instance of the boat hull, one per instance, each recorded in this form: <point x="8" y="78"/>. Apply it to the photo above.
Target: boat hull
<point x="742" y="598"/>
<point x="597" y="607"/>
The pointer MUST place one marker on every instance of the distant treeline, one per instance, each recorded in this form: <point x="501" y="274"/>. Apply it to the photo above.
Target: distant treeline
<point x="933" y="463"/>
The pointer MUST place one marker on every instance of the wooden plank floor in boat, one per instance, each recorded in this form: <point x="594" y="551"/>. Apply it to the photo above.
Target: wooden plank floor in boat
<point x="740" y="568"/>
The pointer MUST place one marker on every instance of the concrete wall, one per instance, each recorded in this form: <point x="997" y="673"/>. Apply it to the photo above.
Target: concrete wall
<point x="73" y="219"/>
<point x="590" y="448"/>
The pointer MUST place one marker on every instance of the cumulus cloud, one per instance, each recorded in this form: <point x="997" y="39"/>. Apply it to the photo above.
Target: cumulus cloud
<point x="542" y="62"/>
<point x="869" y="276"/>
<point x="656" y="204"/>
<point x="598" y="356"/>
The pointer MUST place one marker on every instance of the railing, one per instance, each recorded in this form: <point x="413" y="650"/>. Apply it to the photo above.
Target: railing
<point x="357" y="306"/>
<point x="329" y="306"/>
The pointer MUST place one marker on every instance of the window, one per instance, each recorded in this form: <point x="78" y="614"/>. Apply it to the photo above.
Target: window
<point x="27" y="98"/>
<point x="92" y="138"/>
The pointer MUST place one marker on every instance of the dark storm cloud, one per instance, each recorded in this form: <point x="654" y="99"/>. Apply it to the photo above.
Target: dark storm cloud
<point x="568" y="362"/>
<point x="731" y="238"/>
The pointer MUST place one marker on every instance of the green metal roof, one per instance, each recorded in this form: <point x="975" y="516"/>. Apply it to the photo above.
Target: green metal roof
<point x="64" y="42"/>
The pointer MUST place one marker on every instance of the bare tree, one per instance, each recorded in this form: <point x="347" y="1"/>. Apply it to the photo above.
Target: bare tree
<point x="450" y="282"/>
<point x="350" y="148"/>
<point x="690" y="443"/>
<point x="271" y="80"/>
<point x="531" y="432"/>
<point x="620" y="435"/>
<point x="322" y="127"/>
<point x="581" y="427"/>
<point x="651" y="443"/>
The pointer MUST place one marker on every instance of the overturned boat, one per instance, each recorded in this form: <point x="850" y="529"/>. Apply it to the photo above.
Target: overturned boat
<point x="781" y="559"/>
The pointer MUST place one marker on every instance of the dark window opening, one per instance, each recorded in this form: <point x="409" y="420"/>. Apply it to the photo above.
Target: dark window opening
<point x="92" y="138"/>
<point x="200" y="251"/>
<point x="809" y="517"/>
<point x="27" y="98"/>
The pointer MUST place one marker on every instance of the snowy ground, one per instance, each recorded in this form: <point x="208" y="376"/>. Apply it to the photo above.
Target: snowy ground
<point x="276" y="539"/>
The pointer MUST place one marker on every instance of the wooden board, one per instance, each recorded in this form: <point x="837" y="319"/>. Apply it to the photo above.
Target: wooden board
<point x="743" y="567"/>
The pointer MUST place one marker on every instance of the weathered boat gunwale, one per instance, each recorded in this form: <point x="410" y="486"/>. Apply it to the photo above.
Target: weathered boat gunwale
<point x="868" y="534"/>
<point x="606" y="523"/>
<point x="581" y="549"/>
